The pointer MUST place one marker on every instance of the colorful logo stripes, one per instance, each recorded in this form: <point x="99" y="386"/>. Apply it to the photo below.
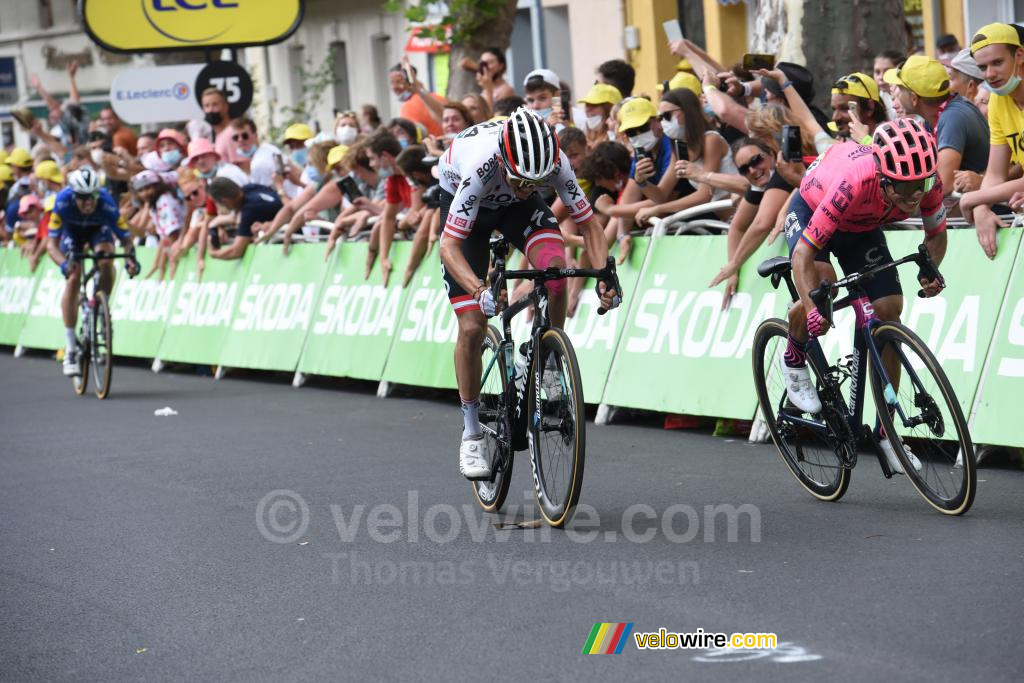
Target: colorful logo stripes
<point x="607" y="639"/>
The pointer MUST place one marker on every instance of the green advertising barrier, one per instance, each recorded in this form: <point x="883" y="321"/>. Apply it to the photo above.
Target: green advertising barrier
<point x="958" y="325"/>
<point x="139" y="309"/>
<point x="997" y="412"/>
<point x="275" y="308"/>
<point x="17" y="283"/>
<point x="356" y="318"/>
<point x="202" y="310"/>
<point x="44" y="326"/>
<point x="595" y="337"/>
<point x="679" y="352"/>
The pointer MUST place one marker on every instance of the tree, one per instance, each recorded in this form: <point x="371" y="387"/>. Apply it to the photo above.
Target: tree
<point x="475" y="26"/>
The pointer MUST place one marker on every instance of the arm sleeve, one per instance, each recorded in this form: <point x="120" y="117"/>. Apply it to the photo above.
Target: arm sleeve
<point x="464" y="209"/>
<point x="826" y="218"/>
<point x="933" y="211"/>
<point x="571" y="194"/>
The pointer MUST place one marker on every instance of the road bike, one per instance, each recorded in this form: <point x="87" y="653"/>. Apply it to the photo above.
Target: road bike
<point x="95" y="335"/>
<point x="534" y="400"/>
<point x="916" y="407"/>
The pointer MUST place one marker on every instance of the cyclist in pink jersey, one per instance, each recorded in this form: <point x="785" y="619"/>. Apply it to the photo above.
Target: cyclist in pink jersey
<point x="844" y="199"/>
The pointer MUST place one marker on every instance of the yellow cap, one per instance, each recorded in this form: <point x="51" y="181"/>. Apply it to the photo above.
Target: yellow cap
<point x="636" y="112"/>
<point x="923" y="76"/>
<point x="298" y="131"/>
<point x="684" y="65"/>
<point x="6" y="174"/>
<point x="684" y="80"/>
<point x="49" y="170"/>
<point x="602" y="93"/>
<point x="995" y="34"/>
<point x="857" y="84"/>
<point x="19" y="157"/>
<point x="335" y="156"/>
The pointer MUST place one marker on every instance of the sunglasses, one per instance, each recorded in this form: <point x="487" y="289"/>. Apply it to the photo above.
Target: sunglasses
<point x="847" y="82"/>
<point x="91" y="197"/>
<point x="524" y="184"/>
<point x="666" y="116"/>
<point x="238" y="137"/>
<point x="755" y="160"/>
<point x="193" y="194"/>
<point x="910" y="188"/>
<point x="633" y="132"/>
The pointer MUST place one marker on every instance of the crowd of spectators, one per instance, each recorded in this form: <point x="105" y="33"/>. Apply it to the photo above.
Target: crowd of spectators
<point x="709" y="137"/>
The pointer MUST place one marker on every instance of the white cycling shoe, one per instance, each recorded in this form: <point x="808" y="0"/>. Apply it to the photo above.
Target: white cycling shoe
<point x="473" y="459"/>
<point x="800" y="388"/>
<point x="71" y="365"/>
<point x="894" y="462"/>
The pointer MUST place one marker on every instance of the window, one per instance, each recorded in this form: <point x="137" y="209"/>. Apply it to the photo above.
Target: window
<point x="45" y="13"/>
<point x="342" y="100"/>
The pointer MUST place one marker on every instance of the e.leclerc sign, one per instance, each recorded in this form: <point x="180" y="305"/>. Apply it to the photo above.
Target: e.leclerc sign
<point x="155" y="25"/>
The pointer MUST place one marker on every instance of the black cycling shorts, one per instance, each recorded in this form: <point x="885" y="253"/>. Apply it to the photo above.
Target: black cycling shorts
<point x="524" y="224"/>
<point x="855" y="251"/>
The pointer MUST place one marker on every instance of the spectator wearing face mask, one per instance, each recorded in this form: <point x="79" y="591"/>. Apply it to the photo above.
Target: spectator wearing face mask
<point x="216" y="115"/>
<point x="297" y="171"/>
<point x="257" y="157"/>
<point x="597" y="106"/>
<point x="418" y="105"/>
<point x="346" y="128"/>
<point x="922" y="87"/>
<point x="543" y="95"/>
<point x="204" y="159"/>
<point x="405" y="131"/>
<point x="997" y="49"/>
<point x="383" y="150"/>
<point x="172" y="148"/>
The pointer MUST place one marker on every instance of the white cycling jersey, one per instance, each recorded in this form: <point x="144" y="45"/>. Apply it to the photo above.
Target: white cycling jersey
<point x="470" y="172"/>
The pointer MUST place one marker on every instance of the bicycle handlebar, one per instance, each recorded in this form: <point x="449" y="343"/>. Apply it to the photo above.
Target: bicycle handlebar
<point x="822" y="295"/>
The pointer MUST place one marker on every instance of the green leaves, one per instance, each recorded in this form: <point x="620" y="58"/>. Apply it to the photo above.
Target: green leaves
<point x="464" y="17"/>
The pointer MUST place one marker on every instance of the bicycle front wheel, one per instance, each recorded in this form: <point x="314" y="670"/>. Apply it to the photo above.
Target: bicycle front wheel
<point x="933" y="445"/>
<point x="557" y="427"/>
<point x="807" y="447"/>
<point x="101" y="347"/>
<point x="80" y="382"/>
<point x="495" y="423"/>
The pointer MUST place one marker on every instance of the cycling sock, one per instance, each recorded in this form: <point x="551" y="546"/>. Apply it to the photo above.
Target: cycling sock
<point x="471" y="419"/>
<point x="796" y="353"/>
<point x="69" y="336"/>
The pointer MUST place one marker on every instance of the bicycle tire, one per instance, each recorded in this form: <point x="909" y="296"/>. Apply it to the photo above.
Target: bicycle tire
<point x="557" y="479"/>
<point x="808" y="454"/>
<point x="946" y="486"/>
<point x="80" y="383"/>
<point x="101" y="347"/>
<point x="490" y="495"/>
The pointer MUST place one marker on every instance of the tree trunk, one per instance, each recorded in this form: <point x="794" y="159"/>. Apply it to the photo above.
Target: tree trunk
<point x="496" y="32"/>
<point x="842" y="37"/>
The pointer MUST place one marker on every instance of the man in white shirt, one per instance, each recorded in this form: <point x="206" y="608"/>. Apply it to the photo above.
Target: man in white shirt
<point x="259" y="155"/>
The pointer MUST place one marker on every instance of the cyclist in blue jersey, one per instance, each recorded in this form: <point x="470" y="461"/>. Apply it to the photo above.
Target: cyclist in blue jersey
<point x="85" y="216"/>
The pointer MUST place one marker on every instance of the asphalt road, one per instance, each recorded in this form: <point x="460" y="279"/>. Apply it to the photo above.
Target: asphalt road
<point x="138" y="547"/>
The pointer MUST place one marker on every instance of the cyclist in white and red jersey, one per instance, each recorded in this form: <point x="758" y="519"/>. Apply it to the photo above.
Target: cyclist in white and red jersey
<point x="489" y="178"/>
<point x="846" y="196"/>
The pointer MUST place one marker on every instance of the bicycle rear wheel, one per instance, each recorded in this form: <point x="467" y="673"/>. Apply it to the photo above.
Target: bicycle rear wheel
<point x="101" y="346"/>
<point x="809" y="452"/>
<point x="495" y="423"/>
<point x="80" y="382"/>
<point x="557" y="427"/>
<point x="926" y="416"/>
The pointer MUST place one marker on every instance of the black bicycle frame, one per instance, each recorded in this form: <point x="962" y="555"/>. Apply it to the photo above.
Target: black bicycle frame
<point x="864" y="346"/>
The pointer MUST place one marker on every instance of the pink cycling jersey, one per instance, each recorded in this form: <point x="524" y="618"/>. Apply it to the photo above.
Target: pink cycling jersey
<point x="842" y="187"/>
<point x="470" y="170"/>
